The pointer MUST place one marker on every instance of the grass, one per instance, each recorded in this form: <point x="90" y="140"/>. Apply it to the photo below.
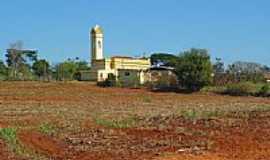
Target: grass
<point x="194" y="115"/>
<point x="10" y="137"/>
<point x="47" y="128"/>
<point x="124" y="123"/>
<point x="240" y="89"/>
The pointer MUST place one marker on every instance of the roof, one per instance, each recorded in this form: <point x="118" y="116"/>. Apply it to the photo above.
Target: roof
<point x="97" y="30"/>
<point x="127" y="57"/>
<point x="161" y="68"/>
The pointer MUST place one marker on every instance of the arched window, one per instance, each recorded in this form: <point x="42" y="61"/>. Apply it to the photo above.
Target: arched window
<point x="99" y="44"/>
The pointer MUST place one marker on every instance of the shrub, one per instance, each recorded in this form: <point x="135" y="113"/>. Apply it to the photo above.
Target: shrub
<point x="265" y="90"/>
<point x="194" y="69"/>
<point x="213" y="89"/>
<point x="241" y="89"/>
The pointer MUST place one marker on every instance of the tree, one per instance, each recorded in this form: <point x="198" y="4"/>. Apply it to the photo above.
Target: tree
<point x="266" y="69"/>
<point x="66" y="70"/>
<point x="245" y="67"/>
<point x="3" y="70"/>
<point x="194" y="69"/>
<point x="41" y="68"/>
<point x="218" y="67"/>
<point x="246" y="71"/>
<point x="17" y="58"/>
<point x="164" y="59"/>
<point x="82" y="65"/>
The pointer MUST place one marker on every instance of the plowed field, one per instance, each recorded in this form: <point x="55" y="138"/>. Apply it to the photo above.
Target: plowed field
<point x="80" y="121"/>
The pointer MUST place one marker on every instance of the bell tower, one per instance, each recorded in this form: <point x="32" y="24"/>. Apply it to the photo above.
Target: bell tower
<point x="97" y="43"/>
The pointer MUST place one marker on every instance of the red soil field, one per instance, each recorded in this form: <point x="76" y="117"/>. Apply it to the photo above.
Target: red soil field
<point x="82" y="121"/>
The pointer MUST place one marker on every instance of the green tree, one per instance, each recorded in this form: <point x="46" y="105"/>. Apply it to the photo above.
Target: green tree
<point x="219" y="67"/>
<point x="18" y="58"/>
<point x="194" y="69"/>
<point x="247" y="71"/>
<point x="41" y="69"/>
<point x="3" y="70"/>
<point x="82" y="65"/>
<point x="25" y="72"/>
<point x="164" y="58"/>
<point x="66" y="70"/>
<point x="245" y="67"/>
<point x="266" y="69"/>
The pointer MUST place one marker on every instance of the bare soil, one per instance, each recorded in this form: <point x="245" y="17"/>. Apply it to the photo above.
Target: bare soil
<point x="85" y="122"/>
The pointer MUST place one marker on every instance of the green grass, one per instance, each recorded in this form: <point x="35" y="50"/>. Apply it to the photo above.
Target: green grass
<point x="47" y="128"/>
<point x="213" y="89"/>
<point x="240" y="89"/>
<point x="9" y="135"/>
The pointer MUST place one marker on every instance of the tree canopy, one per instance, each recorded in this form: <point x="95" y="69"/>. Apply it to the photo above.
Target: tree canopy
<point x="41" y="68"/>
<point x="164" y="59"/>
<point x="245" y="67"/>
<point x="194" y="69"/>
<point x="18" y="59"/>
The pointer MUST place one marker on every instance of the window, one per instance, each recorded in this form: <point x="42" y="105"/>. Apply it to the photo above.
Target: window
<point x="99" y="44"/>
<point x="127" y="74"/>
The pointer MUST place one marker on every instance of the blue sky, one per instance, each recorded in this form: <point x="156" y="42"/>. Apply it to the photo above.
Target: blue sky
<point x="230" y="29"/>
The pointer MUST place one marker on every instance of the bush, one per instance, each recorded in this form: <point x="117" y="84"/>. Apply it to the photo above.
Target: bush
<point x="241" y="89"/>
<point x="213" y="89"/>
<point x="265" y="90"/>
<point x="194" y="69"/>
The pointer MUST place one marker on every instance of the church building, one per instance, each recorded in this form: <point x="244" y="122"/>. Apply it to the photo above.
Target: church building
<point x="125" y="69"/>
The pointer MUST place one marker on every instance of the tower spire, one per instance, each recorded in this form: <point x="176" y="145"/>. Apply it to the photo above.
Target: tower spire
<point x="96" y="43"/>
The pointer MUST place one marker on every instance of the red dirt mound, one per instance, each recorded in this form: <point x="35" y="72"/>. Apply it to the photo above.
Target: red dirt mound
<point x="3" y="125"/>
<point x="43" y="144"/>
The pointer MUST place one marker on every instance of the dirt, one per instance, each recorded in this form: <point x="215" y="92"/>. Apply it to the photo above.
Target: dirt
<point x="5" y="154"/>
<point x="160" y="131"/>
<point x="43" y="144"/>
<point x="3" y="125"/>
<point x="229" y="143"/>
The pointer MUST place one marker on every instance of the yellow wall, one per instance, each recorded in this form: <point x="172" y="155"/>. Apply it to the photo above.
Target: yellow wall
<point x="130" y="63"/>
<point x="105" y="66"/>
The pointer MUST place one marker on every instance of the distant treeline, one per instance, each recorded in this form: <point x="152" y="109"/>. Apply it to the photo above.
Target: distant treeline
<point x="195" y="71"/>
<point x="193" y="68"/>
<point x="24" y="64"/>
